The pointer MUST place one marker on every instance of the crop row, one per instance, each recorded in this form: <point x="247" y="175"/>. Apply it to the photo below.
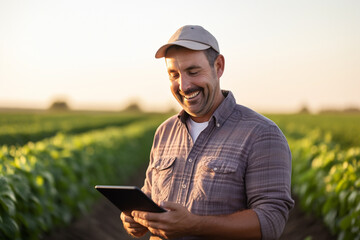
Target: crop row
<point x="344" y="128"/>
<point x="47" y="183"/>
<point x="19" y="128"/>
<point x="326" y="166"/>
<point x="325" y="180"/>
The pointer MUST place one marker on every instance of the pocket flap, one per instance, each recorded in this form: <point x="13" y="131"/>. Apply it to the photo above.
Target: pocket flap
<point x="220" y="166"/>
<point x="164" y="163"/>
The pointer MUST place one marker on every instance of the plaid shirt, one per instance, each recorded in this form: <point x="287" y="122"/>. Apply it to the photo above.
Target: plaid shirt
<point x="240" y="161"/>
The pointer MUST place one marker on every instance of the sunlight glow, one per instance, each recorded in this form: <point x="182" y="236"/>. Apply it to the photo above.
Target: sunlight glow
<point x="280" y="55"/>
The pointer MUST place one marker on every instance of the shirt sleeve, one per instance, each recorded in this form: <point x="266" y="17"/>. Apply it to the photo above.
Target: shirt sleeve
<point x="148" y="177"/>
<point x="147" y="183"/>
<point x="268" y="181"/>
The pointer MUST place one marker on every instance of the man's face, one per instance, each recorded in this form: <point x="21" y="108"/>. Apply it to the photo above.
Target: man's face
<point x="194" y="83"/>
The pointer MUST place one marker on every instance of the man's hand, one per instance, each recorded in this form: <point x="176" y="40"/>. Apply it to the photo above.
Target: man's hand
<point x="132" y="227"/>
<point x="178" y="221"/>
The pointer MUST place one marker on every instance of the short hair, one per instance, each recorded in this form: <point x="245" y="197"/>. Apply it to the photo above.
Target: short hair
<point x="210" y="53"/>
<point x="211" y="56"/>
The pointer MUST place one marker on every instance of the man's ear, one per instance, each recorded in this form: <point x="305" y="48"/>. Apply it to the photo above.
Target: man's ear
<point x="219" y="65"/>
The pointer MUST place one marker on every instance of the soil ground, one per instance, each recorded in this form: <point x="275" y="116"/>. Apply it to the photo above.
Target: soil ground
<point x="103" y="223"/>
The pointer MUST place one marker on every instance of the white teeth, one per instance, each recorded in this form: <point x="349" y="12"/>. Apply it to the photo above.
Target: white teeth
<point x="192" y="95"/>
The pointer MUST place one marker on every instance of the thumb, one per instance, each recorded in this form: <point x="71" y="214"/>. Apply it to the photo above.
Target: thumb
<point x="170" y="205"/>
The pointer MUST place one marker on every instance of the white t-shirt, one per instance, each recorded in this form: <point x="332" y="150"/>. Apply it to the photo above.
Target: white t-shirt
<point x="195" y="128"/>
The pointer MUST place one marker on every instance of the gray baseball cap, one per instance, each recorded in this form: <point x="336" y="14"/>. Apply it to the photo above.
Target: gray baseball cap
<point x="192" y="37"/>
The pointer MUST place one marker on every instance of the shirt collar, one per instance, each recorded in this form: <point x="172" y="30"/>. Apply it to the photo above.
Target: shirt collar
<point x="221" y="113"/>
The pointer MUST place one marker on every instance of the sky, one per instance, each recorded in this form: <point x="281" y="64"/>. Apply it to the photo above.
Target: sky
<point x="279" y="55"/>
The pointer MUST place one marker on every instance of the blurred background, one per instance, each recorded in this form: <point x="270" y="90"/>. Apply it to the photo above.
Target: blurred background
<point x="92" y="63"/>
<point x="281" y="56"/>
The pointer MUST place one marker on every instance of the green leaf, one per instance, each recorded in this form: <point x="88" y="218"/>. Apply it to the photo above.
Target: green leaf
<point x="21" y="187"/>
<point x="352" y="198"/>
<point x="48" y="176"/>
<point x="345" y="222"/>
<point x="5" y="190"/>
<point x="329" y="204"/>
<point x="10" y="227"/>
<point x="37" y="207"/>
<point x="357" y="183"/>
<point x="8" y="205"/>
<point x="330" y="217"/>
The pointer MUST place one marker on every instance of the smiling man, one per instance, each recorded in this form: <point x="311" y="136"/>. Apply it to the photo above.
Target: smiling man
<point x="194" y="83"/>
<point x="221" y="170"/>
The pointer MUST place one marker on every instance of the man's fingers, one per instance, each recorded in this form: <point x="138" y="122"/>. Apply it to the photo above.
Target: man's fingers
<point x="143" y="222"/>
<point x="131" y="226"/>
<point x="129" y="222"/>
<point x="154" y="217"/>
<point x="147" y="220"/>
<point x="157" y="232"/>
<point x="126" y="218"/>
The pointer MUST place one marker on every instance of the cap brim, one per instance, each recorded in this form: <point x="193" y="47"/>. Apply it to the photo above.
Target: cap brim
<point x="183" y="43"/>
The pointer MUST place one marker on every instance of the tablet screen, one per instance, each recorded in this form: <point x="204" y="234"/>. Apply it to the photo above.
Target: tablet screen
<point x="129" y="198"/>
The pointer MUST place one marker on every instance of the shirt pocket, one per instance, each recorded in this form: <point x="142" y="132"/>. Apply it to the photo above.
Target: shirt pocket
<point x="162" y="178"/>
<point x="216" y="180"/>
<point x="214" y="166"/>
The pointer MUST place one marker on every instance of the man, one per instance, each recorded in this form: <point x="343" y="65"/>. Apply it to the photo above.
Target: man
<point x="221" y="170"/>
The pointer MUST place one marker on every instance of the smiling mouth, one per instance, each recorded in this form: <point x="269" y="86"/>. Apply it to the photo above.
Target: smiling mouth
<point x="190" y="95"/>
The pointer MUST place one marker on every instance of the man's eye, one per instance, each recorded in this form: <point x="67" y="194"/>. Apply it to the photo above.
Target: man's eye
<point x="192" y="73"/>
<point x="173" y="76"/>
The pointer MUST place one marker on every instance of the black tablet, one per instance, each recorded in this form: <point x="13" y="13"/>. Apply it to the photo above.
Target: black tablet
<point x="128" y="198"/>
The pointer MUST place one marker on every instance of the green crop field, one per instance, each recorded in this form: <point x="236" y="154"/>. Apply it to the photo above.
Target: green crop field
<point x="326" y="168"/>
<point x="50" y="163"/>
<point x="19" y="128"/>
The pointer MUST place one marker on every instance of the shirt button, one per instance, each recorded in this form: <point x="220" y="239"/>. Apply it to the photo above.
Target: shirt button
<point x="218" y="124"/>
<point x="215" y="169"/>
<point x="184" y="186"/>
<point x="190" y="160"/>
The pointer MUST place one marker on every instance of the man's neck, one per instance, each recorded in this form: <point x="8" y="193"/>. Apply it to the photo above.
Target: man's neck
<point x="208" y="115"/>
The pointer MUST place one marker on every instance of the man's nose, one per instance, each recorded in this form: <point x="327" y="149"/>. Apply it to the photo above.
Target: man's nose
<point x="184" y="83"/>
